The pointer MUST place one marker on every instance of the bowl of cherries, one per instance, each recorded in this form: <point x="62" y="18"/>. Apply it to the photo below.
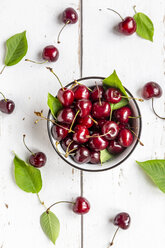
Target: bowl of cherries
<point x="97" y="124"/>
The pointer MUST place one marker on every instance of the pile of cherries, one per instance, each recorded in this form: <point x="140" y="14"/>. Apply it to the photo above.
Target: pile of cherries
<point x="86" y="125"/>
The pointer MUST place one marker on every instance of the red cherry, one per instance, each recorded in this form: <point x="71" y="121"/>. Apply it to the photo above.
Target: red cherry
<point x="50" y="53"/>
<point x="66" y="115"/>
<point x="114" y="147"/>
<point x="69" y="142"/>
<point x="100" y="123"/>
<point x="122" y="220"/>
<point x="84" y="106"/>
<point x="97" y="143"/>
<point x="86" y="121"/>
<point x="110" y="129"/>
<point x="127" y="26"/>
<point x="101" y="110"/>
<point x="81" y="206"/>
<point x="81" y="134"/>
<point x="81" y="92"/>
<point x="60" y="132"/>
<point x="95" y="157"/>
<point x="151" y="90"/>
<point x="97" y="93"/>
<point x="7" y="106"/>
<point x="122" y="115"/>
<point x="65" y="96"/>
<point x="112" y="95"/>
<point x="125" y="138"/>
<point x="70" y="16"/>
<point x="38" y="159"/>
<point x="82" y="155"/>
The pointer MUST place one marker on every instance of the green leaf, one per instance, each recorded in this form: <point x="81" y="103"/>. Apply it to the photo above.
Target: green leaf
<point x="155" y="169"/>
<point x="105" y="156"/>
<point x="54" y="104"/>
<point x="50" y="225"/>
<point x="16" y="48"/>
<point x="27" y="177"/>
<point x="145" y="27"/>
<point x="120" y="104"/>
<point x="114" y="81"/>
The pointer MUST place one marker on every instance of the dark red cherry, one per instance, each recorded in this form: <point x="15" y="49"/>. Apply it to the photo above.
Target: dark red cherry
<point x="65" y="96"/>
<point x="151" y="90"/>
<point x="125" y="138"/>
<point x="127" y="26"/>
<point x="95" y="157"/>
<point x="124" y="125"/>
<point x="122" y="220"/>
<point x="81" y="92"/>
<point x="50" y="53"/>
<point x="97" y="93"/>
<point x="66" y="115"/>
<point x="114" y="147"/>
<point x="82" y="155"/>
<point x="7" y="106"/>
<point x="70" y="16"/>
<point x="60" y="132"/>
<point x="100" y="123"/>
<point x="86" y="121"/>
<point x="97" y="142"/>
<point x="81" y="134"/>
<point x="68" y="142"/>
<point x="38" y="159"/>
<point x="101" y="110"/>
<point x="81" y="206"/>
<point x="110" y="129"/>
<point x="84" y="106"/>
<point x="112" y="95"/>
<point x="122" y="115"/>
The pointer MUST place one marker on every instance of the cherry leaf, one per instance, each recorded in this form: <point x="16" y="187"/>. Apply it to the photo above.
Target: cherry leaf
<point x="120" y="104"/>
<point x="114" y="82"/>
<point x="27" y="177"/>
<point x="105" y="156"/>
<point x="50" y="225"/>
<point x="145" y="27"/>
<point x="54" y="104"/>
<point x="155" y="169"/>
<point x="16" y="48"/>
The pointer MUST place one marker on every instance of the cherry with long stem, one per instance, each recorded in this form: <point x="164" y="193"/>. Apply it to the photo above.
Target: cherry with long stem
<point x="162" y="118"/>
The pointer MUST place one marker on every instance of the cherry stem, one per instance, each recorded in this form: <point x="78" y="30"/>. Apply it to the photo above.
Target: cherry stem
<point x="134" y="117"/>
<point x="163" y="118"/>
<point x="116" y="13"/>
<point x="98" y="93"/>
<point x="42" y="202"/>
<point x="93" y="120"/>
<point x="3" y="96"/>
<point x="76" y="82"/>
<point x="58" y="38"/>
<point x="48" y="209"/>
<point x="2" y="69"/>
<point x="136" y="137"/>
<point x="138" y="99"/>
<point x="114" y="236"/>
<point x="70" y="152"/>
<point x="26" y="145"/>
<point x="67" y="149"/>
<point x="32" y="61"/>
<point x="51" y="70"/>
<point x="70" y="130"/>
<point x="134" y="8"/>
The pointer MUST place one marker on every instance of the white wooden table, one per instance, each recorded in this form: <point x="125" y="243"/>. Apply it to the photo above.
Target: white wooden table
<point x="89" y="48"/>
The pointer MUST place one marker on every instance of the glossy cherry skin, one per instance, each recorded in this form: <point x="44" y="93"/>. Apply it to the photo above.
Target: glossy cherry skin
<point x="7" y="106"/>
<point x="150" y="90"/>
<point x="127" y="26"/>
<point x="81" y="92"/>
<point x="82" y="155"/>
<point x="111" y="129"/>
<point x="50" y="53"/>
<point x="122" y="115"/>
<point x="81" y="206"/>
<point x="100" y="123"/>
<point x="84" y="106"/>
<point x="112" y="95"/>
<point x="95" y="157"/>
<point x="125" y="138"/>
<point x="60" y="132"/>
<point x="66" y="115"/>
<point x="68" y="142"/>
<point x="122" y="220"/>
<point x="81" y="134"/>
<point x="65" y="96"/>
<point x="86" y="121"/>
<point x="97" y="93"/>
<point x="70" y="16"/>
<point x="102" y="110"/>
<point x="114" y="147"/>
<point x="38" y="159"/>
<point x="97" y="143"/>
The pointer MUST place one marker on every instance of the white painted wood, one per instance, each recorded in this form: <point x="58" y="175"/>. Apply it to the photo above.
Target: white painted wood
<point x="126" y="188"/>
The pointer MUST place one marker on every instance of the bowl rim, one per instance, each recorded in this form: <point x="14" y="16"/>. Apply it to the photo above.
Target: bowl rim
<point x="103" y="169"/>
